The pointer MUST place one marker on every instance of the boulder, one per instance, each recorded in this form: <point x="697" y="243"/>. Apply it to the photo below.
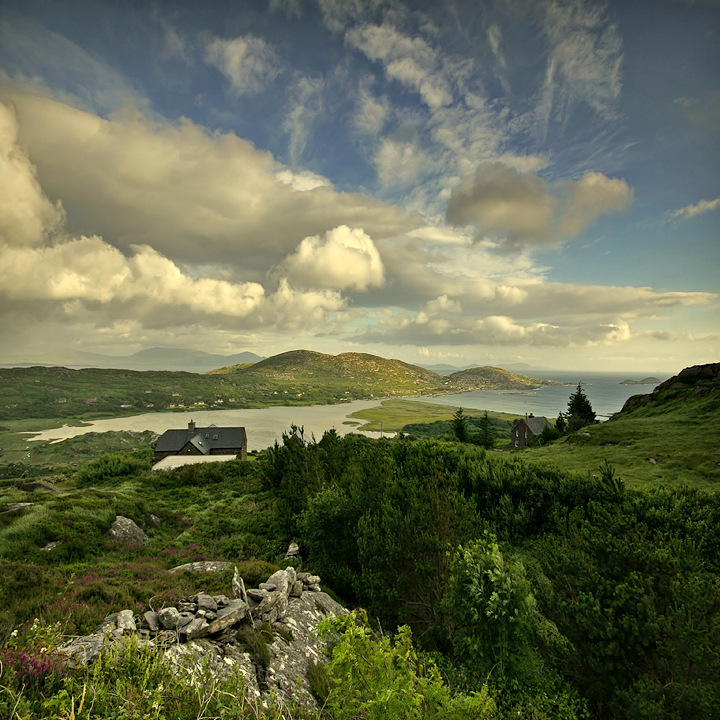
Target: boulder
<point x="126" y="531"/>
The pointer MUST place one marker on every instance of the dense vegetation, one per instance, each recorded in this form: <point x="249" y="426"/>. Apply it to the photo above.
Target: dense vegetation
<point x="506" y="586"/>
<point x="293" y="378"/>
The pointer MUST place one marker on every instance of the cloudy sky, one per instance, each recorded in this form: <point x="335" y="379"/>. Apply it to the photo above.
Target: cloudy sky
<point x="449" y="181"/>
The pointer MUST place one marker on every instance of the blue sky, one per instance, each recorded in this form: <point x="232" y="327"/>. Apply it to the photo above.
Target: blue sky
<point x="456" y="182"/>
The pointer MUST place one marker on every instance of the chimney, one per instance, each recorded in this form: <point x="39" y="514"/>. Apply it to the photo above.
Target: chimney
<point x="191" y="426"/>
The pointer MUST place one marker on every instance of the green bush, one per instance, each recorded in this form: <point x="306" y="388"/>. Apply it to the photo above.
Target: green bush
<point x="111" y="466"/>
<point x="372" y="677"/>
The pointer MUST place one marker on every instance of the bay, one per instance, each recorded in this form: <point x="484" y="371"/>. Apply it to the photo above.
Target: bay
<point x="265" y="426"/>
<point x="604" y="390"/>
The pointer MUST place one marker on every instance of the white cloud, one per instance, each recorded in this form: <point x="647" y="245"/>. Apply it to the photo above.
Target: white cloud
<point x="522" y="209"/>
<point x="248" y="62"/>
<point x="690" y="211"/>
<point x="306" y="105"/>
<point x="584" y="63"/>
<point x="343" y="258"/>
<point x="401" y="164"/>
<point x="195" y="197"/>
<point x="410" y="61"/>
<point x="303" y="181"/>
<point x="26" y="214"/>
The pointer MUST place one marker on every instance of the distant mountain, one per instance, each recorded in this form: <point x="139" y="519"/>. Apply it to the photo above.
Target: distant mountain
<point x="177" y="359"/>
<point x="492" y="378"/>
<point x="644" y="381"/>
<point x="346" y="376"/>
<point x="444" y="369"/>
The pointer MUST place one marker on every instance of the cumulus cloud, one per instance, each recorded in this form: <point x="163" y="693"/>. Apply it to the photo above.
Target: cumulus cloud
<point x="193" y="196"/>
<point x="26" y="214"/>
<point x="691" y="211"/>
<point x="248" y="62"/>
<point x="59" y="277"/>
<point x="343" y="258"/>
<point x="524" y="210"/>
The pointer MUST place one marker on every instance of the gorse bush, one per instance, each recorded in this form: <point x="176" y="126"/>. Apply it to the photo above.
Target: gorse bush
<point x="113" y="465"/>
<point x="374" y="677"/>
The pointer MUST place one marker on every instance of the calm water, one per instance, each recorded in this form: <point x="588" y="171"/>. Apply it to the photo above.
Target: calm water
<point x="606" y="395"/>
<point x="266" y="425"/>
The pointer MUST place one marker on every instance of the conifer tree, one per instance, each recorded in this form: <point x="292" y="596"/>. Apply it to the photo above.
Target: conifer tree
<point x="486" y="436"/>
<point x="579" y="412"/>
<point x="459" y="425"/>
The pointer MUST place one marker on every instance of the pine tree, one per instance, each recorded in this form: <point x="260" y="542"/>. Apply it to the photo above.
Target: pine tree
<point x="579" y="412"/>
<point x="486" y="436"/>
<point x="459" y="426"/>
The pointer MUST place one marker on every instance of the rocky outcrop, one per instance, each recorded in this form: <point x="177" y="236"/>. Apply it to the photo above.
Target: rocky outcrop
<point x="265" y="634"/>
<point x="696" y="381"/>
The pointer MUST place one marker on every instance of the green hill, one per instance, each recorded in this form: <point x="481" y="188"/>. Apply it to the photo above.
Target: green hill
<point x="298" y="377"/>
<point x="492" y="378"/>
<point x="664" y="437"/>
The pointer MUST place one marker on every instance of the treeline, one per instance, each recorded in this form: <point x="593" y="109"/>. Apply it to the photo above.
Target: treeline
<point x="567" y="594"/>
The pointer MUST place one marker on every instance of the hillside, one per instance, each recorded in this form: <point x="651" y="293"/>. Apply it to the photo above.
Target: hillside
<point x="298" y="377"/>
<point x="657" y="438"/>
<point x="492" y="378"/>
<point x="698" y="385"/>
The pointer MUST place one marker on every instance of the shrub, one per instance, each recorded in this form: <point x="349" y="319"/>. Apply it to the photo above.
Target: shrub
<point x="372" y="677"/>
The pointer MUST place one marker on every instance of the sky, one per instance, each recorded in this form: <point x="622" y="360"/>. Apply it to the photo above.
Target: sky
<point x="464" y="182"/>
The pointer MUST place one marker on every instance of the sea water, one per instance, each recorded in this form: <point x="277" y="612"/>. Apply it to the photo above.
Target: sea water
<point x="605" y="392"/>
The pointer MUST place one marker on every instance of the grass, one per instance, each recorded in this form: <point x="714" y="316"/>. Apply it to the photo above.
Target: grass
<point x="394" y="414"/>
<point x="646" y="450"/>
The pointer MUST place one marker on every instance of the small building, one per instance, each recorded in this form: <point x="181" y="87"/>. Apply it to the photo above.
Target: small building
<point x="202" y="441"/>
<point x="527" y="429"/>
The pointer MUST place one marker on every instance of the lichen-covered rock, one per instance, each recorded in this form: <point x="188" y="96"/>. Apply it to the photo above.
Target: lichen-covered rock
<point x="203" y="566"/>
<point x="197" y="638"/>
<point x="125" y="530"/>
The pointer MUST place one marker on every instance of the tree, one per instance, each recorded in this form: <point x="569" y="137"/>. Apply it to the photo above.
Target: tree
<point x="561" y="423"/>
<point x="486" y="436"/>
<point x="459" y="425"/>
<point x="579" y="412"/>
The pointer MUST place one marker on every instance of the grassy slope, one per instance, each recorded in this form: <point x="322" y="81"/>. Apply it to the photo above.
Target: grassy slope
<point x="395" y="414"/>
<point x="671" y="441"/>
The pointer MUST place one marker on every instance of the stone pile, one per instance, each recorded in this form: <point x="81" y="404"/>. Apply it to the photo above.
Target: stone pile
<point x="207" y="631"/>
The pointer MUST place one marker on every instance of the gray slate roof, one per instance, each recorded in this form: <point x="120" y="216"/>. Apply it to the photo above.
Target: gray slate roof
<point x="204" y="439"/>
<point x="534" y="424"/>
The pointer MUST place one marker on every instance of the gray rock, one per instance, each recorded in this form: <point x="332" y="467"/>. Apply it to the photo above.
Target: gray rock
<point x="185" y="618"/>
<point x="125" y="620"/>
<point x="206" y="602"/>
<point x="238" y="586"/>
<point x="82" y="650"/>
<point x="194" y="629"/>
<point x="293" y="551"/>
<point x="203" y="566"/>
<point x="152" y="620"/>
<point x="125" y="530"/>
<point x="237" y="610"/>
<point x="16" y="507"/>
<point x="169" y="617"/>
<point x="36" y="486"/>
